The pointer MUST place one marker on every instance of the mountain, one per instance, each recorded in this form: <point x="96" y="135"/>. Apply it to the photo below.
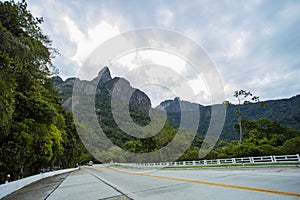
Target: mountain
<point x="284" y="111"/>
<point x="103" y="84"/>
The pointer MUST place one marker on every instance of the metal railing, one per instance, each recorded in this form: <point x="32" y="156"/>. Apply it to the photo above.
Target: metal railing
<point x="227" y="161"/>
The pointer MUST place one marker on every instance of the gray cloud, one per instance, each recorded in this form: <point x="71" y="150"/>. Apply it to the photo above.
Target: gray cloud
<point x="254" y="44"/>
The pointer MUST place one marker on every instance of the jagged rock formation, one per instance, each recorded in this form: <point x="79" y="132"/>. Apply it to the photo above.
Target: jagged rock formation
<point x="103" y="84"/>
<point x="104" y="75"/>
<point x="123" y="91"/>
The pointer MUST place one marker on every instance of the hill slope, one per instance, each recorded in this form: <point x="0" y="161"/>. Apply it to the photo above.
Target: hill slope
<point x="284" y="111"/>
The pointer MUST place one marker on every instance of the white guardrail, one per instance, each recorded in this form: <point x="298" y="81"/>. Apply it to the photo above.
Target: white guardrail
<point x="245" y="160"/>
<point x="8" y="188"/>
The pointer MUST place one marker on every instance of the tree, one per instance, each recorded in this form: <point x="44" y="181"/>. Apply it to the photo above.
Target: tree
<point x="244" y="97"/>
<point x="291" y="146"/>
<point x="35" y="131"/>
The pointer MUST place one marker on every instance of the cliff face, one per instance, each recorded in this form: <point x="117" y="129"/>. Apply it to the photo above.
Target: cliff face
<point x="103" y="84"/>
<point x="121" y="89"/>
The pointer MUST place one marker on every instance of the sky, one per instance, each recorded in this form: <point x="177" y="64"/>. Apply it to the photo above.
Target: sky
<point x="254" y="45"/>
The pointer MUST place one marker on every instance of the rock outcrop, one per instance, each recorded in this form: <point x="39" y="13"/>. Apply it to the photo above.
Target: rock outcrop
<point x="103" y="84"/>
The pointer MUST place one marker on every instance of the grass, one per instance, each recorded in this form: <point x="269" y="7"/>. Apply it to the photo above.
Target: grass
<point x="120" y="166"/>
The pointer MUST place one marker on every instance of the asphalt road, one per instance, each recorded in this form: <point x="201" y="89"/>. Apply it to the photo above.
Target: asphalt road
<point x="100" y="182"/>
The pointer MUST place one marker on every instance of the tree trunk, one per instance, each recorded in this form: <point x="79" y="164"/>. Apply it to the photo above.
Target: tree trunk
<point x="240" y="125"/>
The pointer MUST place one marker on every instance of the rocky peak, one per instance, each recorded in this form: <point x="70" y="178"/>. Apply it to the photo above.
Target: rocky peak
<point x="103" y="84"/>
<point x="57" y="79"/>
<point x="71" y="81"/>
<point x="177" y="99"/>
<point x="104" y="75"/>
<point x="177" y="105"/>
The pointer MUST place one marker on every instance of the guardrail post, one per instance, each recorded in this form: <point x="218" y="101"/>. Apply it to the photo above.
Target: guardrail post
<point x="233" y="160"/>
<point x="251" y="160"/>
<point x="205" y="162"/>
<point x="218" y="162"/>
<point x="298" y="157"/>
<point x="273" y="158"/>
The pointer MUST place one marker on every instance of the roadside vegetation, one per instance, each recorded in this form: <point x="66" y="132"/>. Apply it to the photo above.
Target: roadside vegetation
<point x="35" y="131"/>
<point x="259" y="138"/>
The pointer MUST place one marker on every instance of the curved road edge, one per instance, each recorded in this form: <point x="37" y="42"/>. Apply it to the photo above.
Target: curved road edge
<point x="6" y="189"/>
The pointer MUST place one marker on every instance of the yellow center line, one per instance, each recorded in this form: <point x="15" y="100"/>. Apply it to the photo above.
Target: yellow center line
<point x="215" y="184"/>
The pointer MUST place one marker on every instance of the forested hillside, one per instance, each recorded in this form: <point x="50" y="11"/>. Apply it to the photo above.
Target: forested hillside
<point x="265" y="129"/>
<point x="283" y="111"/>
<point x="35" y="131"/>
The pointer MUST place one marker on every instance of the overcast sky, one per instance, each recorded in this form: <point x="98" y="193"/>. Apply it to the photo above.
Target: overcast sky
<point x="255" y="45"/>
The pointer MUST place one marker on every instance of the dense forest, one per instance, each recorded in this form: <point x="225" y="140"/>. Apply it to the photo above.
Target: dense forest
<point x="35" y="131"/>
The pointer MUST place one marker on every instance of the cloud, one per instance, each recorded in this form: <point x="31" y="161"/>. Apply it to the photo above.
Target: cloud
<point x="91" y="38"/>
<point x="165" y="17"/>
<point x="254" y="45"/>
<point x="169" y="63"/>
<point x="154" y="71"/>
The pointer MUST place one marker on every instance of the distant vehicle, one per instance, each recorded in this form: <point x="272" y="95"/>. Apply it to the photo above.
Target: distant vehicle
<point x="90" y="163"/>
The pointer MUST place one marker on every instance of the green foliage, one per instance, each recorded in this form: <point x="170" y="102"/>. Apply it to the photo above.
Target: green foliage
<point x="292" y="146"/>
<point x="191" y="154"/>
<point x="7" y="103"/>
<point x="122" y="139"/>
<point x="261" y="137"/>
<point x="35" y="131"/>
<point x="267" y="132"/>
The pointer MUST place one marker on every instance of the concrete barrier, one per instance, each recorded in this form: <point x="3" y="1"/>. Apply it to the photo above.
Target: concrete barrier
<point x="8" y="188"/>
